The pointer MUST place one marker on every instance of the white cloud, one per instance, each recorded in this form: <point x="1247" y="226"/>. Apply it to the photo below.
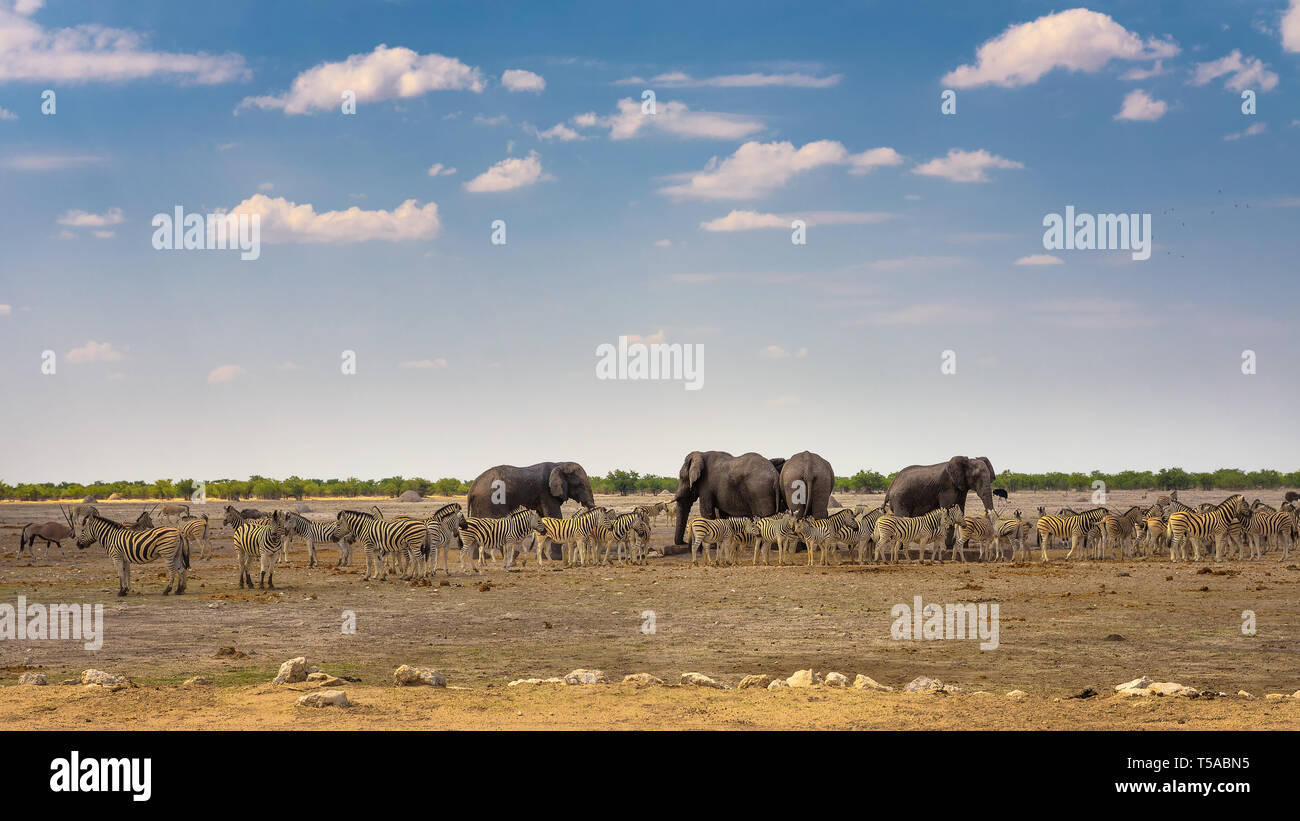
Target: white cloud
<point x="663" y="243"/>
<point x="425" y="364"/>
<point x="756" y="169"/>
<point x="657" y="336"/>
<point x="739" y="220"/>
<point x="1092" y="313"/>
<point x="1040" y="259"/>
<point x="1242" y="73"/>
<point x="1290" y="27"/>
<point x="500" y="119"/>
<point x="1253" y="130"/>
<point x="903" y="263"/>
<point x="225" y="373"/>
<point x="679" y="79"/>
<point x="383" y="74"/>
<point x="964" y="166"/>
<point x="777" y="352"/>
<point x="94" y="351"/>
<point x="1157" y="69"/>
<point x="935" y="313"/>
<point x="1075" y="40"/>
<point x="439" y="170"/>
<point x="50" y="162"/>
<point x="6" y="114"/>
<point x="285" y="221"/>
<point x="83" y="219"/>
<point x="104" y="234"/>
<point x="559" y="131"/>
<point x="509" y="174"/>
<point x="91" y="53"/>
<point x="516" y="79"/>
<point x="266" y="186"/>
<point x="672" y="118"/>
<point x="1138" y="105"/>
<point x="290" y="365"/>
<point x="6" y="310"/>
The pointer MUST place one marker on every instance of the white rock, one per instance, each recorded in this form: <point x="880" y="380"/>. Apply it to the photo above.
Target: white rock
<point x="292" y="671"/>
<point x="700" y="680"/>
<point x="1170" y="688"/>
<point x="836" y="680"/>
<point x="643" y="680"/>
<point x="583" y="676"/>
<point x="98" y="678"/>
<point x="520" y="681"/>
<point x="34" y="679"/>
<point x="325" y="698"/>
<point x="408" y="676"/>
<point x="324" y="679"/>
<point x="1276" y="696"/>
<point x="196" y="680"/>
<point x="922" y="684"/>
<point x="1136" y="684"/>
<point x="777" y="684"/>
<point x="804" y="678"/>
<point x="868" y="683"/>
<point x="1244" y="694"/>
<point x="1017" y="694"/>
<point x="754" y="681"/>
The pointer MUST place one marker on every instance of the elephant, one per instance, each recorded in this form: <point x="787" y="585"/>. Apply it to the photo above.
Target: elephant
<point x="542" y="487"/>
<point x="725" y="485"/>
<point x="919" y="489"/>
<point x="812" y="498"/>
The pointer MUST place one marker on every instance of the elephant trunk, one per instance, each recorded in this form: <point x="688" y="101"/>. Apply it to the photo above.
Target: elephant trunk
<point x="683" y="513"/>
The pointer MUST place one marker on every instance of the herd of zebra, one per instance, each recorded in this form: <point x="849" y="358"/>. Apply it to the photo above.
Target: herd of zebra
<point x="599" y="535"/>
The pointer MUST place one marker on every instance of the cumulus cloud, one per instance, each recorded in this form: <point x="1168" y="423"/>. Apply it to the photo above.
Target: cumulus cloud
<point x="383" y="74"/>
<point x="559" y="131"/>
<point x="964" y="166"/>
<point x="94" y="351"/>
<point x="103" y="234"/>
<point x="1138" y="105"/>
<point x="509" y="174"/>
<point x="91" y="53"/>
<point x="677" y="79"/>
<point x="225" y="373"/>
<point x="1137" y="74"/>
<point x="1290" y="27"/>
<point x="1040" y="259"/>
<point x="649" y="339"/>
<point x="1251" y="131"/>
<point x="777" y="352"/>
<point x="439" y="170"/>
<point x="84" y="219"/>
<point x="756" y="169"/>
<point x="285" y="221"/>
<point x="740" y="220"/>
<point x="670" y="117"/>
<point x="1075" y="40"/>
<point x="517" y="79"/>
<point x="1241" y="73"/>
<point x="6" y="114"/>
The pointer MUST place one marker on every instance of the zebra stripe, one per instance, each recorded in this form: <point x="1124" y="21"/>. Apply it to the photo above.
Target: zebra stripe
<point x="903" y="530"/>
<point x="381" y="538"/>
<point x="127" y="547"/>
<point x="322" y="533"/>
<point x="195" y="528"/>
<point x="496" y="534"/>
<point x="573" y="535"/>
<point x="1196" y="525"/>
<point x="1074" y="526"/>
<point x="262" y="542"/>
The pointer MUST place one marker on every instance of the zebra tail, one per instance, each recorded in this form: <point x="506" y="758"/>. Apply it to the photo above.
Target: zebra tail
<point x="185" y="553"/>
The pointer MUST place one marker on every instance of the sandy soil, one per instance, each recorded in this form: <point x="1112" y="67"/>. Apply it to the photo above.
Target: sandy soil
<point x="1063" y="627"/>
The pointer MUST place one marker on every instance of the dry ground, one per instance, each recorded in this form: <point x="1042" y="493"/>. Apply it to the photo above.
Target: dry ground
<point x="1064" y="627"/>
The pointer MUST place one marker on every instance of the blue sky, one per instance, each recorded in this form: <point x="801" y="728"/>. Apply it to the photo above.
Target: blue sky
<point x="921" y="230"/>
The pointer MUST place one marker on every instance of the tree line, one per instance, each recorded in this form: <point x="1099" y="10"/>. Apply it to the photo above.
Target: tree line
<point x="619" y="482"/>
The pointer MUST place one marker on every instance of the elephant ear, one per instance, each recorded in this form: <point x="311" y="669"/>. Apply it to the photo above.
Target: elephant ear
<point x="696" y="469"/>
<point x="956" y="471"/>
<point x="556" y="482"/>
<point x="988" y="465"/>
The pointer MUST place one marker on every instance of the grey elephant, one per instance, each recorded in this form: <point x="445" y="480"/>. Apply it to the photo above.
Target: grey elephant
<point x="725" y="485"/>
<point x="919" y="489"/>
<point x="542" y="487"/>
<point x="806" y="484"/>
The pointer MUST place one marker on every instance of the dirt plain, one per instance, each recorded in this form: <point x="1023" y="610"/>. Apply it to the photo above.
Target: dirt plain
<point x="1064" y="627"/>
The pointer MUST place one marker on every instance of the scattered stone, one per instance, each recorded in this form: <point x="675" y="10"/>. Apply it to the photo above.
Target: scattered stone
<point x="953" y="689"/>
<point x="868" y="683"/>
<point x="1296" y="694"/>
<point x="292" y="671"/>
<point x="1276" y="696"/>
<point x="325" y="698"/>
<point x="754" y="681"/>
<point x="921" y="684"/>
<point x="1244" y="694"/>
<point x="804" y="678"/>
<point x="700" y="680"/>
<point x="199" y="680"/>
<point x="1114" y="637"/>
<point x="583" y="676"/>
<point x="777" y="684"/>
<point x="324" y="679"/>
<point x="1170" y="688"/>
<point x="228" y="652"/>
<point x="1136" y="684"/>
<point x="408" y="676"/>
<point x="519" y="681"/>
<point x="1017" y="694"/>
<point x="643" y="680"/>
<point x="34" y="679"/>
<point x="836" y="680"/>
<point x="98" y="678"/>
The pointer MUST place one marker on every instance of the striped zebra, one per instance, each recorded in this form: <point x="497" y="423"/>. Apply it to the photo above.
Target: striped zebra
<point x="1195" y="525"/>
<point x="1015" y="530"/>
<point x="746" y="537"/>
<point x="486" y="535"/>
<point x="442" y="525"/>
<point x="867" y="528"/>
<point x="817" y="534"/>
<point x="574" y="535"/>
<point x="924" y="530"/>
<point x="639" y="541"/>
<point x="843" y="526"/>
<point x="716" y="532"/>
<point x="1073" y="527"/>
<point x="195" y="528"/>
<point x="775" y="530"/>
<point x="1116" y="531"/>
<point x="381" y="538"/>
<point x="319" y="533"/>
<point x="616" y="531"/>
<point x="1151" y="532"/>
<point x="975" y="528"/>
<point x="127" y="547"/>
<point x="260" y="541"/>
<point x="1270" y="528"/>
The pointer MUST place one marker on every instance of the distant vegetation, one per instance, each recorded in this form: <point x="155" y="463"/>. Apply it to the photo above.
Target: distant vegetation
<point x="621" y="482"/>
